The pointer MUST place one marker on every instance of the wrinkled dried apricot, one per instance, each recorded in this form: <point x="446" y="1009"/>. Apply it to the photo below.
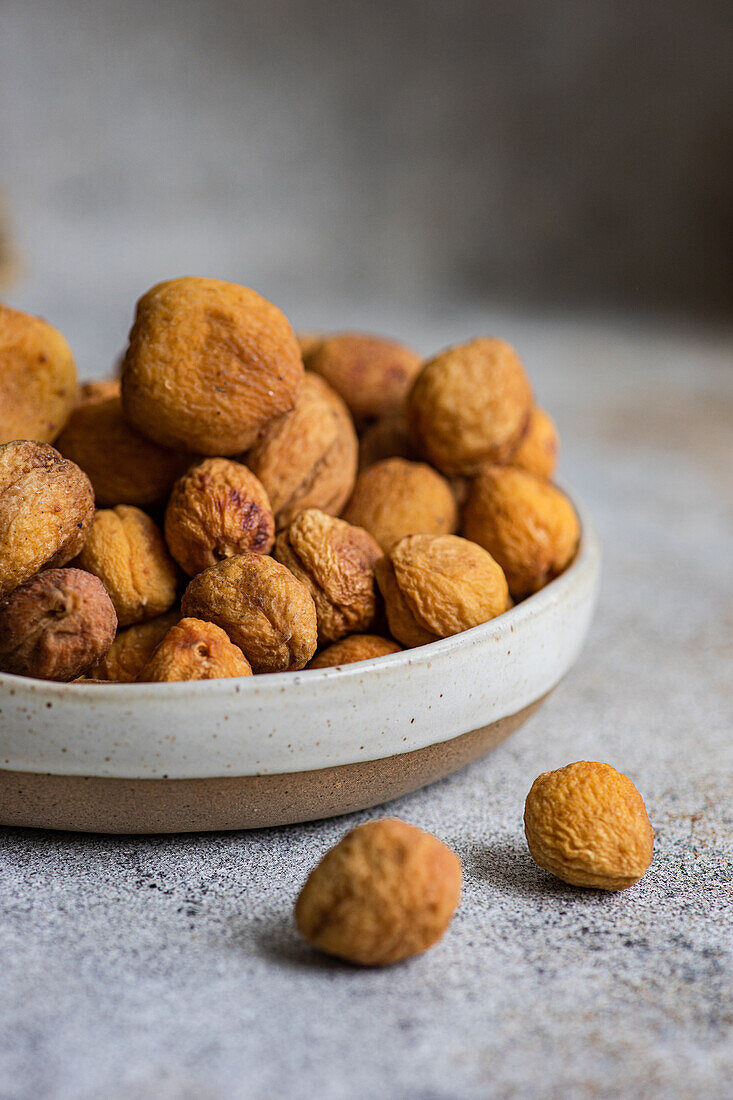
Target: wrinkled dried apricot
<point x="537" y="453"/>
<point x="37" y="378"/>
<point x="307" y="458"/>
<point x="470" y="405"/>
<point x="385" y="892"/>
<point x="357" y="647"/>
<point x="46" y="510"/>
<point x="264" y="609"/>
<point x="123" y="466"/>
<point x="528" y="525"/>
<point x="132" y="649"/>
<point x="97" y="389"/>
<point x="395" y="497"/>
<point x="435" y="586"/>
<point x="385" y="438"/>
<point x="126" y="550"/>
<point x="218" y="509"/>
<point x="371" y="373"/>
<point x="208" y="366"/>
<point x="195" y="650"/>
<point x="335" y="561"/>
<point x="56" y="626"/>
<point x="587" y="824"/>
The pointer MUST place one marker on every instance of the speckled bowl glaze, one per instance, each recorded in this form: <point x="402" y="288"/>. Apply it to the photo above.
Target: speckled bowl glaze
<point x="274" y="749"/>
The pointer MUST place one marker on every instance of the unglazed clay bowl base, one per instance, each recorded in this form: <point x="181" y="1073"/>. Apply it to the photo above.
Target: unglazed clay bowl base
<point x="276" y="749"/>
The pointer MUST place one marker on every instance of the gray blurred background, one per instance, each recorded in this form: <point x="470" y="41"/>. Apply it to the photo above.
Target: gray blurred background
<point x="351" y="159"/>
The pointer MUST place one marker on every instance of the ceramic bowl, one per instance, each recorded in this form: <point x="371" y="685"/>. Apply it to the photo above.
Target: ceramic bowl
<point x="286" y="747"/>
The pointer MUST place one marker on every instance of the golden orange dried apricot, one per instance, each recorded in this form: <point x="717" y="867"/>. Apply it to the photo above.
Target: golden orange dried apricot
<point x="528" y="525"/>
<point x="371" y="373"/>
<point x="435" y="586"/>
<point x="470" y="405"/>
<point x="208" y="366"/>
<point x="335" y="561"/>
<point x="264" y="609"/>
<point x="123" y="466"/>
<point x="195" y="650"/>
<point x="218" y="509"/>
<point x="587" y="824"/>
<point x="538" y="451"/>
<point x="307" y="458"/>
<point x="357" y="647"/>
<point x="46" y="510"/>
<point x="396" y="497"/>
<point x="37" y="378"/>
<point x="126" y="550"/>
<point x="132" y="649"/>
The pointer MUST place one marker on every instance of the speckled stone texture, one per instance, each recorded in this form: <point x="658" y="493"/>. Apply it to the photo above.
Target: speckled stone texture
<point x="169" y="968"/>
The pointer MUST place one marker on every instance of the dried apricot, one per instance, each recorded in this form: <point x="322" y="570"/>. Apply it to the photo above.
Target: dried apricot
<point x="46" y="510"/>
<point x="195" y="650"/>
<point x="371" y="373"/>
<point x="395" y="497"/>
<point x="218" y="509"/>
<point x="126" y="550"/>
<point x="208" y="366"/>
<point x="470" y="405"/>
<point x="123" y="466"/>
<point x="587" y="824"/>
<point x="537" y="453"/>
<point x="385" y="892"/>
<point x="335" y="561"/>
<point x="37" y="378"/>
<point x="132" y="648"/>
<point x="56" y="626"/>
<point x="264" y="609"/>
<point x="357" y="647"/>
<point x="528" y="525"/>
<point x="307" y="458"/>
<point x="435" y="586"/>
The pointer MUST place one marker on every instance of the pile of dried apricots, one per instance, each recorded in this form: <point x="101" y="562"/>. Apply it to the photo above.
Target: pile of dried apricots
<point x="305" y="492"/>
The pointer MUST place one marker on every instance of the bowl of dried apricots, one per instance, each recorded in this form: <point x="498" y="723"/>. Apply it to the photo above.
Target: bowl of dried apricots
<point x="264" y="577"/>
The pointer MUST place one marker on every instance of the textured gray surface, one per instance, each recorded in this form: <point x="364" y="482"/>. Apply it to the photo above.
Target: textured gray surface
<point x="169" y="968"/>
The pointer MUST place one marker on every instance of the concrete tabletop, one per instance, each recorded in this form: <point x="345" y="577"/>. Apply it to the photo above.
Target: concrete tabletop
<point x="169" y="967"/>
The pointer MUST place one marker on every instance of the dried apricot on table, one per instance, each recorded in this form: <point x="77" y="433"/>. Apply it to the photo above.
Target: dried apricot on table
<point x="385" y="892"/>
<point x="587" y="824"/>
